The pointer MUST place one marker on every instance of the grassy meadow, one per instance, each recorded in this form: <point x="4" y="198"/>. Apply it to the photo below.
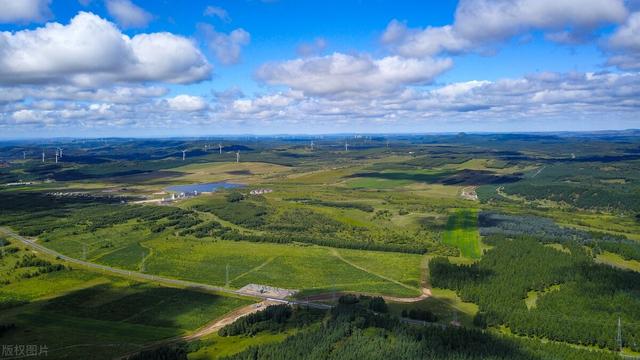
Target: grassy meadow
<point x="462" y="232"/>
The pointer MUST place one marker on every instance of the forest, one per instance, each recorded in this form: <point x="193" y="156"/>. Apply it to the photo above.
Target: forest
<point x="353" y="331"/>
<point x="547" y="231"/>
<point x="583" y="308"/>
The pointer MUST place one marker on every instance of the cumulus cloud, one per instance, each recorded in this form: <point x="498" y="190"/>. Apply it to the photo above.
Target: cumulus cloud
<point x="549" y="99"/>
<point x="226" y="47"/>
<point x="27" y="116"/>
<point x="625" y="44"/>
<point x="424" y="42"/>
<point x="116" y="94"/>
<point x="91" y="51"/>
<point x="340" y="73"/>
<point x="128" y="14"/>
<point x="218" y="12"/>
<point x="187" y="103"/>
<point x="24" y="11"/>
<point x="481" y="23"/>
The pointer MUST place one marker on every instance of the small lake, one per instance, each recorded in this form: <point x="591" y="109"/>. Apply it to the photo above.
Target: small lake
<point x="204" y="187"/>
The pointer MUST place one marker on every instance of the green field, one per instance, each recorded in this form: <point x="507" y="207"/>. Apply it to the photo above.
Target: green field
<point x="99" y="312"/>
<point x="445" y="304"/>
<point x="311" y="268"/>
<point x="462" y="232"/>
<point x="106" y="315"/>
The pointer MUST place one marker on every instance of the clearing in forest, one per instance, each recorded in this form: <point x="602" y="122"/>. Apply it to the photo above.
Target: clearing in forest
<point x="462" y="232"/>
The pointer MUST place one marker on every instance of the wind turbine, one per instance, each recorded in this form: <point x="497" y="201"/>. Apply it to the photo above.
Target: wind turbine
<point x="60" y="151"/>
<point x="346" y="146"/>
<point x="312" y="145"/>
<point x="184" y="154"/>
<point x="56" y="156"/>
<point x="42" y="155"/>
<point x="238" y="156"/>
<point x="220" y="146"/>
<point x="24" y="155"/>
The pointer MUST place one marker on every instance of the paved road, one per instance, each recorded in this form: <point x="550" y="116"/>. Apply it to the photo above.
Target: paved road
<point x="158" y="279"/>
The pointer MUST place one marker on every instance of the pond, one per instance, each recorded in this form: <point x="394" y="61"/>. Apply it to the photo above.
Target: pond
<point x="203" y="187"/>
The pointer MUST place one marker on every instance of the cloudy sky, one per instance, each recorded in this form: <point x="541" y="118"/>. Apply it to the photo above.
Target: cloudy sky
<point x="172" y="68"/>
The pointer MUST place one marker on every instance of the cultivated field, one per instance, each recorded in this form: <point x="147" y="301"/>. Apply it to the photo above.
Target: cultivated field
<point x="462" y="232"/>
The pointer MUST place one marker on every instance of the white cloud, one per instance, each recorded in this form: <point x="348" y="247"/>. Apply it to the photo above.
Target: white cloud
<point x="128" y="14"/>
<point x="24" y="11"/>
<point x="117" y="94"/>
<point x="425" y="42"/>
<point x="218" y="12"/>
<point x="28" y="116"/>
<point x="340" y="73"/>
<point x="482" y="23"/>
<point x="546" y="98"/>
<point x="551" y="100"/>
<point x="625" y="44"/>
<point x="91" y="51"/>
<point x="187" y="103"/>
<point x="226" y="47"/>
<point x="498" y="20"/>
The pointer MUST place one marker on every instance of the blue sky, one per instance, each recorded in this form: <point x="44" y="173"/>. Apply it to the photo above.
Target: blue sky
<point x="166" y="68"/>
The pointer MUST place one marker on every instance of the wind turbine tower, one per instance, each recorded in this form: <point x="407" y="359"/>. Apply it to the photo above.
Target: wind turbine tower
<point x="56" y="156"/>
<point x="220" y="147"/>
<point x="346" y="146"/>
<point x="238" y="156"/>
<point x="184" y="154"/>
<point x="60" y="151"/>
<point x="43" y="156"/>
<point x="24" y="155"/>
<point x="311" y="145"/>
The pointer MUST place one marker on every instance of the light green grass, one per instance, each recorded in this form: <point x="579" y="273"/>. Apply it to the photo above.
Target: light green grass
<point x="617" y="261"/>
<point x="445" y="304"/>
<point x="287" y="266"/>
<point x="367" y="183"/>
<point x="404" y="268"/>
<point x="215" y="346"/>
<point x="83" y="314"/>
<point x="532" y="296"/>
<point x="462" y="232"/>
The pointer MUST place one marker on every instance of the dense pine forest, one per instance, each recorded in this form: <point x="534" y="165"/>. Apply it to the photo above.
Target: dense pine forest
<point x="352" y="331"/>
<point x="578" y="301"/>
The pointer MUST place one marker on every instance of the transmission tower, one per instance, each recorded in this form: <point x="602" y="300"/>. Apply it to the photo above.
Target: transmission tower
<point x="619" y="335"/>
<point x="142" y="267"/>
<point x="333" y="290"/>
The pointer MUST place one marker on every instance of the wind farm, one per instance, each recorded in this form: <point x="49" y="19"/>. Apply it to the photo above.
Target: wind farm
<point x="320" y="180"/>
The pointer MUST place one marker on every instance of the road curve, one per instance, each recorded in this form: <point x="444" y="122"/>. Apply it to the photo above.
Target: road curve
<point x="159" y="279"/>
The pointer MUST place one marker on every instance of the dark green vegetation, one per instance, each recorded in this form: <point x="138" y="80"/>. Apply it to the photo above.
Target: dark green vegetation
<point x="540" y="266"/>
<point x="585" y="184"/>
<point x="352" y="331"/>
<point x="547" y="231"/>
<point x="584" y="309"/>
